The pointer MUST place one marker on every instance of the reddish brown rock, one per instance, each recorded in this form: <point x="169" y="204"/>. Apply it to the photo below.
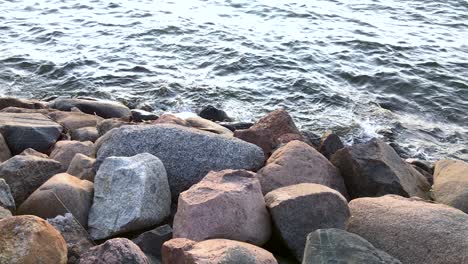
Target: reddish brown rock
<point x="214" y="251"/>
<point x="117" y="250"/>
<point x="64" y="151"/>
<point x="82" y="167"/>
<point x="21" y="103"/>
<point x="170" y="119"/>
<point x="451" y="183"/>
<point x="74" y="120"/>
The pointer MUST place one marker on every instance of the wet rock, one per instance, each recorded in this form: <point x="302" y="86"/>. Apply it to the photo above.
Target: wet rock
<point x="209" y="126"/>
<point x="6" y="198"/>
<point x="77" y="239"/>
<point x="188" y="154"/>
<point x="74" y="120"/>
<point x="151" y="242"/>
<point x="214" y="251"/>
<point x="297" y="162"/>
<point x="142" y="115"/>
<point x="60" y="194"/>
<point x="82" y="167"/>
<point x="22" y="131"/>
<point x="116" y="250"/>
<point x="130" y="193"/>
<point x="299" y="209"/>
<point x="233" y="126"/>
<point x="64" y="151"/>
<point x="422" y="164"/>
<point x="5" y="152"/>
<point x="214" y="114"/>
<point x="313" y="138"/>
<point x="4" y="213"/>
<point x="24" y="174"/>
<point x="375" y="169"/>
<point x="338" y="246"/>
<point x="329" y="144"/>
<point x="268" y="130"/>
<point x="105" y="109"/>
<point x="226" y="204"/>
<point x="21" y="103"/>
<point x="85" y="134"/>
<point x="411" y="229"/>
<point x="107" y="124"/>
<point x="29" y="239"/>
<point x="451" y="183"/>
<point x="171" y="119"/>
<point x="32" y="152"/>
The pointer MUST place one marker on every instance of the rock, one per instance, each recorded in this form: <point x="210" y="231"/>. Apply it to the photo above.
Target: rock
<point x="297" y="162"/>
<point x="105" y="109"/>
<point x="22" y="131"/>
<point x="6" y="198"/>
<point x="451" y="183"/>
<point x="233" y="126"/>
<point x="171" y="119"/>
<point x="85" y="134"/>
<point x="329" y="144"/>
<point x="74" y="120"/>
<point x="338" y="246"/>
<point x="151" y="242"/>
<point x="21" y="103"/>
<point x="29" y="239"/>
<point x="214" y="251"/>
<point x="60" y="194"/>
<point x="130" y="193"/>
<point x="64" y="151"/>
<point x="411" y="229"/>
<point x="116" y="250"/>
<point x="212" y="113"/>
<point x="5" y="152"/>
<point x="32" y="152"/>
<point x="422" y="164"/>
<point x="188" y="155"/>
<point x="299" y="209"/>
<point x="142" y="115"/>
<point x="313" y="138"/>
<point x="375" y="169"/>
<point x="24" y="174"/>
<point x="11" y="109"/>
<point x="226" y="204"/>
<point x="77" y="239"/>
<point x="107" y="124"/>
<point x="82" y="167"/>
<point x="209" y="126"/>
<point x="4" y="213"/>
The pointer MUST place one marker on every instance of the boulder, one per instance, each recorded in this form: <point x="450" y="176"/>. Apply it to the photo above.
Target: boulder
<point x="105" y="109"/>
<point x="334" y="245"/>
<point x="142" y="115"/>
<point x="29" y="239"/>
<point x="226" y="204"/>
<point x="150" y="242"/>
<point x="32" y="152"/>
<point x="77" y="239"/>
<point x="233" y="126"/>
<point x="171" y="119"/>
<point x="207" y="125"/>
<point x="65" y="150"/>
<point x="299" y="209"/>
<point x="22" y="131"/>
<point x="6" y="198"/>
<point x="85" y="134"/>
<point x="74" y="120"/>
<point x="21" y="103"/>
<point x="12" y="109"/>
<point x="451" y="183"/>
<point x="214" y="251"/>
<point x="188" y="154"/>
<point x="297" y="162"/>
<point x="24" y="174"/>
<point x="329" y="144"/>
<point x="214" y="114"/>
<point x="108" y="124"/>
<point x="82" y="167"/>
<point x="4" y="213"/>
<point x="116" y="250"/>
<point x="375" y="169"/>
<point x="411" y="229"/>
<point x="60" y="194"/>
<point x="130" y="193"/>
<point x="5" y="152"/>
<point x="267" y="131"/>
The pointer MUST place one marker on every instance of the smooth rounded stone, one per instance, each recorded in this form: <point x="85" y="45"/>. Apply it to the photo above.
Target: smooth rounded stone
<point x="33" y="152"/>
<point x="188" y="154"/>
<point x="4" y="213"/>
<point x="24" y="174"/>
<point x="6" y="198"/>
<point x="451" y="183"/>
<point x="233" y="126"/>
<point x="74" y="120"/>
<point x="207" y="125"/>
<point x="130" y="193"/>
<point x="422" y="164"/>
<point x="5" y="152"/>
<point x="21" y="103"/>
<point x="116" y="250"/>
<point x="329" y="144"/>
<point x="150" y="242"/>
<point x="214" y="251"/>
<point x="171" y="119"/>
<point x="108" y="124"/>
<point x="105" y="109"/>
<point x="65" y="150"/>
<point x="299" y="209"/>
<point x="411" y="229"/>
<point x="85" y="134"/>
<point x="267" y="131"/>
<point x="334" y="245"/>
<point x="297" y="162"/>
<point x="60" y="194"/>
<point x="214" y="114"/>
<point x="375" y="169"/>
<point x="139" y="115"/>
<point x="28" y="239"/>
<point x="82" y="167"/>
<point x="226" y="204"/>
<point x="22" y="131"/>
<point x="12" y="109"/>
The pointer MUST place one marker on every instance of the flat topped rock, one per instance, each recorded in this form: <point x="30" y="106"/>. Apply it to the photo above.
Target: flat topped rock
<point x="451" y="183"/>
<point x="105" y="109"/>
<point x="21" y="103"/>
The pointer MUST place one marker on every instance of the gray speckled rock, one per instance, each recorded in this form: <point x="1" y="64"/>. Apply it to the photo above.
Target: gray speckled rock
<point x="188" y="155"/>
<point x="5" y="152"/>
<point x="151" y="241"/>
<point x="339" y="246"/>
<point x="4" y="213"/>
<point x="130" y="193"/>
<point x="105" y="109"/>
<point x="114" y="251"/>
<point x="6" y="199"/>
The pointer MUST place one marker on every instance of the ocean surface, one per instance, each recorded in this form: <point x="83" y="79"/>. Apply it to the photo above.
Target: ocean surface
<point x="386" y="68"/>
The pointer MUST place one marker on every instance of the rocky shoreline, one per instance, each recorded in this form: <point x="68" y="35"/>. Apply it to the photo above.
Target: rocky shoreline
<point x="90" y="181"/>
